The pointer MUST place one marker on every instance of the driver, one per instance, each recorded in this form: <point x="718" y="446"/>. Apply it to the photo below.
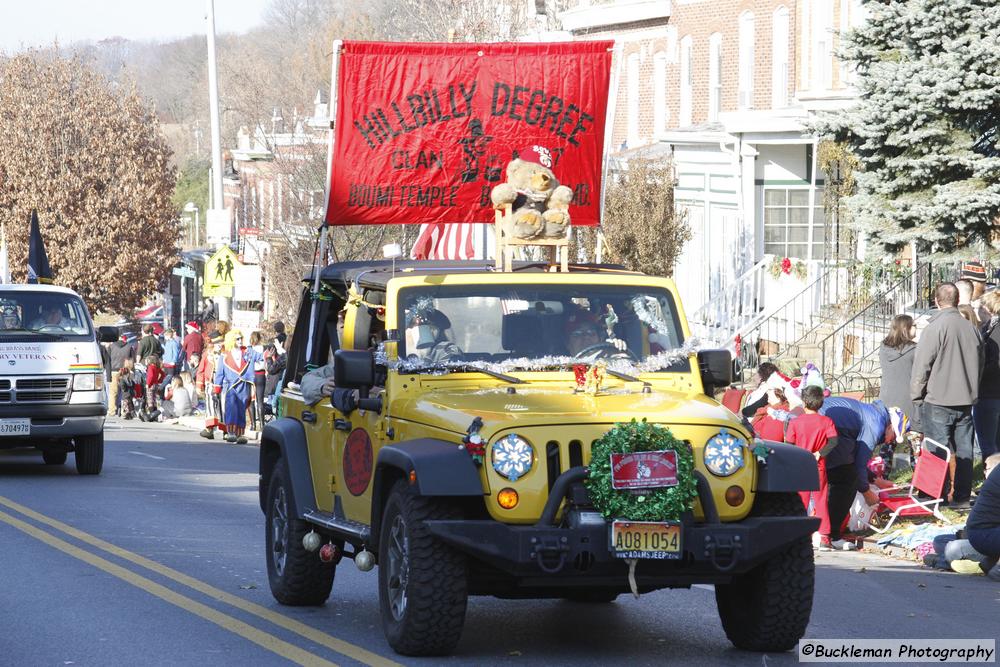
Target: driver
<point x="52" y="317"/>
<point x="584" y="331"/>
<point x="427" y="338"/>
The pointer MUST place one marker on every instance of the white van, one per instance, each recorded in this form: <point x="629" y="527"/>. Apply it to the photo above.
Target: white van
<point x="52" y="393"/>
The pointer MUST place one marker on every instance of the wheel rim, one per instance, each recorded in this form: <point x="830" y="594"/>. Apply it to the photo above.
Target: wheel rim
<point x="279" y="531"/>
<point x="398" y="567"/>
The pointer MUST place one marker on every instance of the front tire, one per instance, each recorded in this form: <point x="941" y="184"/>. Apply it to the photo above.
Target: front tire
<point x="768" y="608"/>
<point x="54" y="457"/>
<point x="297" y="577"/>
<point x="422" y="582"/>
<point x="89" y="453"/>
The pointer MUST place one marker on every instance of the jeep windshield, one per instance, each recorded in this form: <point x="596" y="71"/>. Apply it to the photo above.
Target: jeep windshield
<point x="528" y="327"/>
<point x="34" y="315"/>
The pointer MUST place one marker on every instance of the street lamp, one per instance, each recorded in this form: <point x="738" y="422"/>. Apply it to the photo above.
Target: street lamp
<point x="191" y="207"/>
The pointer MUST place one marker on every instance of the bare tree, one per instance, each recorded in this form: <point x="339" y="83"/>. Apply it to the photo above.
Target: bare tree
<point x="642" y="228"/>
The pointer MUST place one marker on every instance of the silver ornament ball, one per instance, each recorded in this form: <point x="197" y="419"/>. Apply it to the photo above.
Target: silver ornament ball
<point x="364" y="560"/>
<point x="311" y="541"/>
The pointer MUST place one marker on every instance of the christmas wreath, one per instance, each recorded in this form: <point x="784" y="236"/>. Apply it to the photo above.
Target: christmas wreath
<point x="786" y="266"/>
<point x="655" y="504"/>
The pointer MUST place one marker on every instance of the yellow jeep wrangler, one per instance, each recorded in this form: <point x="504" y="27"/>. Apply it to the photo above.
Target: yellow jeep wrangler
<point x="455" y="453"/>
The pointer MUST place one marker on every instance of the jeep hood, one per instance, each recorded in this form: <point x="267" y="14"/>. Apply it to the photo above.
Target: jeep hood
<point x="454" y="409"/>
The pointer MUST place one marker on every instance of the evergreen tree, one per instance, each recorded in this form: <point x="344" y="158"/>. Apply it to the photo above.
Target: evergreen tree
<point x="925" y="129"/>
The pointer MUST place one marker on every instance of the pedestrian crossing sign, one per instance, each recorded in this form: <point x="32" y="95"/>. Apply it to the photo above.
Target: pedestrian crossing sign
<point x="220" y="273"/>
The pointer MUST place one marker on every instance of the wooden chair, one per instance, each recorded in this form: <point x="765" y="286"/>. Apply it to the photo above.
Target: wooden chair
<point x="506" y="245"/>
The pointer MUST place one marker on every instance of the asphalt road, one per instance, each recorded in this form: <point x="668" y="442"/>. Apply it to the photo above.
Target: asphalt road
<point x="159" y="561"/>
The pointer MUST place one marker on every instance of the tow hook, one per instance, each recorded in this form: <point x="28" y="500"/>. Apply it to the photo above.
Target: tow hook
<point x="723" y="551"/>
<point x="550" y="552"/>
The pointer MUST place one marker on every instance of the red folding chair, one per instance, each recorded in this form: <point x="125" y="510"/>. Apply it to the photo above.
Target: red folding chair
<point x="928" y="477"/>
<point x="733" y="399"/>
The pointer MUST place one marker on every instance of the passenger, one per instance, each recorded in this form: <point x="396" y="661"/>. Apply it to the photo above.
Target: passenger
<point x="10" y="318"/>
<point x="427" y="338"/>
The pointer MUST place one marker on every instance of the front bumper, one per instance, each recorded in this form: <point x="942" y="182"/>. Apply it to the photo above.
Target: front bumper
<point x="56" y="422"/>
<point x="577" y="551"/>
<point x="712" y="553"/>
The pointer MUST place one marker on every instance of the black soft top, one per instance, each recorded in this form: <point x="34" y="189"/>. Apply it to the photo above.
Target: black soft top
<point x="376" y="273"/>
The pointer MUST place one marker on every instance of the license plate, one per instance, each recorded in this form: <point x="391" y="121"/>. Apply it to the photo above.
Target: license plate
<point x="646" y="539"/>
<point x="15" y="427"/>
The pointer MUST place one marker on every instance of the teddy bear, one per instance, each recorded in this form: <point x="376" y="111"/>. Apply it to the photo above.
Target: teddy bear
<point x="539" y="205"/>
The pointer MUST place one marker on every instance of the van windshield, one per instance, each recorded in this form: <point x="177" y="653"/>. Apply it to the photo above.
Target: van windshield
<point x="31" y="313"/>
<point x="541" y="326"/>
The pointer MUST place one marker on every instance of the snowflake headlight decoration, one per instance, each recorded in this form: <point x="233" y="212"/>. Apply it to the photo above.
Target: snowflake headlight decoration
<point x="724" y="454"/>
<point x="512" y="457"/>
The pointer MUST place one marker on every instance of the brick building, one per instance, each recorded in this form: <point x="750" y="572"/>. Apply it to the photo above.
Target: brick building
<point x="725" y="88"/>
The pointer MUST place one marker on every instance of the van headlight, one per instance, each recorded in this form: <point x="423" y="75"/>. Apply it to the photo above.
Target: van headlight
<point x="724" y="454"/>
<point x="88" y="381"/>
<point x="512" y="457"/>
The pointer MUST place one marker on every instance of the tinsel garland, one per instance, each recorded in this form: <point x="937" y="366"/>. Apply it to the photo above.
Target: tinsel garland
<point x="650" y="364"/>
<point x="659" y="504"/>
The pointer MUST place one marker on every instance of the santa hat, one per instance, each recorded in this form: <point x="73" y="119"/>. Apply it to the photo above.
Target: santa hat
<point x="536" y="154"/>
<point x="192" y="327"/>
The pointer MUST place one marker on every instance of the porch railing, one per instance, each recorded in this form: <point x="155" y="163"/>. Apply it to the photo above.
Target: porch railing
<point x="787" y="325"/>
<point x="737" y="306"/>
<point x="845" y="350"/>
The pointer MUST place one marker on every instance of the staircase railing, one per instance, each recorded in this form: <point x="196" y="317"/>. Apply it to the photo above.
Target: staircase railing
<point x="720" y="318"/>
<point x="787" y="325"/>
<point x="857" y="340"/>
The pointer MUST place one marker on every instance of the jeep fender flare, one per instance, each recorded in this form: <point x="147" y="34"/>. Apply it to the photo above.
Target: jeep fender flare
<point x="788" y="468"/>
<point x="285" y="438"/>
<point x="440" y="468"/>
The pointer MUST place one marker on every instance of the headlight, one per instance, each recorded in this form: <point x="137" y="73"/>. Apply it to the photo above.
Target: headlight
<point x="724" y="454"/>
<point x="512" y="457"/>
<point x="88" y="381"/>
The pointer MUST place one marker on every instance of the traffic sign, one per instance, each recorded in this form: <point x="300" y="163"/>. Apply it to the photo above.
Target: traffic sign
<point x="220" y="273"/>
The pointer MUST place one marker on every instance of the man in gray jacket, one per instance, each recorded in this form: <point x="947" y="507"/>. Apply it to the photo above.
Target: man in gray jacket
<point x="945" y="381"/>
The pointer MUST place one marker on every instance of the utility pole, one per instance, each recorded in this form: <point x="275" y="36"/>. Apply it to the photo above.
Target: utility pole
<point x="217" y="213"/>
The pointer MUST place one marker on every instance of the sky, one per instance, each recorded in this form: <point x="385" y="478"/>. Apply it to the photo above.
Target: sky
<point x="41" y="22"/>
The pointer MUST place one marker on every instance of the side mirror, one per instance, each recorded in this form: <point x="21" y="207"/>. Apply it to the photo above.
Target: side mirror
<point x="354" y="369"/>
<point x="716" y="368"/>
<point x="107" y="334"/>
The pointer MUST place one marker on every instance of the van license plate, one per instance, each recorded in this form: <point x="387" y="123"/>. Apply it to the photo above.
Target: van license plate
<point x="646" y="539"/>
<point x="15" y="427"/>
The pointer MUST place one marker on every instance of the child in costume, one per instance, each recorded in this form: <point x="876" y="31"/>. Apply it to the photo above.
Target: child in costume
<point x="234" y="382"/>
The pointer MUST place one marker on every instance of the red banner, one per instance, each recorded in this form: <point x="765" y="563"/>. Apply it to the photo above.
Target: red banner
<point x="424" y="131"/>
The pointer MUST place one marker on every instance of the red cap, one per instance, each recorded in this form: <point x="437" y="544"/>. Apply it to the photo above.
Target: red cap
<point x="193" y="326"/>
<point x="538" y="154"/>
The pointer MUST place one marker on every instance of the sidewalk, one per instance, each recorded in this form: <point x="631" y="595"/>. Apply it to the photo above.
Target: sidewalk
<point x="192" y="423"/>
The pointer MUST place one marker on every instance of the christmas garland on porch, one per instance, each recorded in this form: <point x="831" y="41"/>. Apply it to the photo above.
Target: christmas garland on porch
<point x="659" y="504"/>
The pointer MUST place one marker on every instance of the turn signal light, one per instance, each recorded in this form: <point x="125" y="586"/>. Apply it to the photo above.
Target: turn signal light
<point x="735" y="496"/>
<point x="507" y="499"/>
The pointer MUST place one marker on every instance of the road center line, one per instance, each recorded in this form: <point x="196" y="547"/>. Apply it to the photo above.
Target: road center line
<point x="158" y="458"/>
<point x="236" y="626"/>
<point x="340" y="646"/>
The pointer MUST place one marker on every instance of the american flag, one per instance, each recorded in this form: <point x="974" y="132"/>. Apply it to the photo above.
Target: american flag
<point x="448" y="241"/>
